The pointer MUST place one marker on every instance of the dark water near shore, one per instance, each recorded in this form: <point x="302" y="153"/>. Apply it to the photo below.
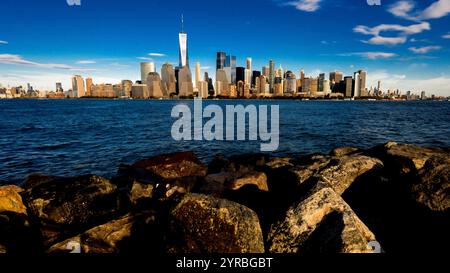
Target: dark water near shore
<point x="72" y="137"/>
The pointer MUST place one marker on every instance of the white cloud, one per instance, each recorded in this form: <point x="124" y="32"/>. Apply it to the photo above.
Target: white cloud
<point x="86" y="62"/>
<point x="436" y="10"/>
<point x="402" y="9"/>
<point x="144" y="58"/>
<point x="424" y="49"/>
<point x="391" y="41"/>
<point x="446" y="36"/>
<point x="157" y="54"/>
<point x="18" y="60"/>
<point x="371" y="55"/>
<point x="402" y="32"/>
<point x="405" y="9"/>
<point x="205" y="67"/>
<point x="306" y="5"/>
<point x="3" y="42"/>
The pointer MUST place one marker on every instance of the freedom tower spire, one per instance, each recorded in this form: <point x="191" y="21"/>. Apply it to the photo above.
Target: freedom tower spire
<point x="184" y="56"/>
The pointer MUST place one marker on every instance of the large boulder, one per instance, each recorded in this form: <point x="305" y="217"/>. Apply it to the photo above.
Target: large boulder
<point x="403" y="159"/>
<point x="321" y="223"/>
<point x="341" y="172"/>
<point x="11" y="201"/>
<point x="433" y="189"/>
<point x="173" y="166"/>
<point x="128" y="234"/>
<point x="204" y="224"/>
<point x="308" y="167"/>
<point x="168" y="174"/>
<point x="68" y="205"/>
<point x="16" y="233"/>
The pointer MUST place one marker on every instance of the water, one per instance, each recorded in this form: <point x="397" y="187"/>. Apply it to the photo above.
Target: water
<point x="73" y="137"/>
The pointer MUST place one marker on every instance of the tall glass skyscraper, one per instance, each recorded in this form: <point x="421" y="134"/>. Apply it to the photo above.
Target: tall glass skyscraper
<point x="184" y="55"/>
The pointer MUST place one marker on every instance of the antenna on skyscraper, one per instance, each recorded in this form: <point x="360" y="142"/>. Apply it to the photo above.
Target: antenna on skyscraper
<point x="182" y="23"/>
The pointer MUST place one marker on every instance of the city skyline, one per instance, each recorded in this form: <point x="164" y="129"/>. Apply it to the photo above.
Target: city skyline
<point x="418" y="62"/>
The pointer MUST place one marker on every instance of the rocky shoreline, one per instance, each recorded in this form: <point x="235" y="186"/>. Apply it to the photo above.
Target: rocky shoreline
<point x="395" y="196"/>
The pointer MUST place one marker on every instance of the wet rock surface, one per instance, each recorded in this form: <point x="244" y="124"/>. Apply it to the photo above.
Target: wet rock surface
<point x="395" y="194"/>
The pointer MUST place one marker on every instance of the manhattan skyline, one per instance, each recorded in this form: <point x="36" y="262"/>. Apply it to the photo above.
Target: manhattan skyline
<point x="107" y="42"/>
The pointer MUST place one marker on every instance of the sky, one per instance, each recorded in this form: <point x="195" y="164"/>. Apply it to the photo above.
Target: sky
<point x="405" y="44"/>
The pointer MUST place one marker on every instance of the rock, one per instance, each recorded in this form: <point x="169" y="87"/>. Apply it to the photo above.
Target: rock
<point x="140" y="192"/>
<point x="215" y="184"/>
<point x="67" y="205"/>
<point x="257" y="179"/>
<point x="310" y="167"/>
<point x="11" y="201"/>
<point x="34" y="180"/>
<point x="219" y="164"/>
<point x="403" y="159"/>
<point x="16" y="234"/>
<point x="338" y="152"/>
<point x="124" y="235"/>
<point x="204" y="224"/>
<point x="321" y="223"/>
<point x="279" y="162"/>
<point x="341" y="172"/>
<point x="173" y="166"/>
<point x="433" y="191"/>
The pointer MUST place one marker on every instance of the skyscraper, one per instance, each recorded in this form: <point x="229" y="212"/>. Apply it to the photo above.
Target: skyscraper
<point x="185" y="87"/>
<point x="59" y="87"/>
<point x="182" y="38"/>
<point x="248" y="72"/>
<point x="348" y="83"/>
<point x="88" y="86"/>
<point x="230" y="67"/>
<point x="78" y="89"/>
<point x="240" y="74"/>
<point x="321" y="82"/>
<point x="271" y="74"/>
<point x="197" y="74"/>
<point x="154" y="85"/>
<point x="359" y="88"/>
<point x="336" y="76"/>
<point x="146" y="68"/>
<point x="290" y="86"/>
<point x="168" y="80"/>
<point x="220" y="60"/>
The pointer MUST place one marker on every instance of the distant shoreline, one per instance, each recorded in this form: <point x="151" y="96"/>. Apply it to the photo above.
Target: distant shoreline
<point x="238" y="99"/>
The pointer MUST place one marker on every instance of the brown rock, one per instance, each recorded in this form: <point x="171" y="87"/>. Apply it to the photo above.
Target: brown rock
<point x="114" y="237"/>
<point x="321" y="223"/>
<point x="404" y="158"/>
<point x="140" y="192"/>
<point x="309" y="168"/>
<point x="344" y="151"/>
<point x="11" y="201"/>
<point x="203" y="224"/>
<point x="257" y="179"/>
<point x="433" y="190"/>
<point x="215" y="184"/>
<point x="68" y="205"/>
<point x="173" y="166"/>
<point x="341" y="172"/>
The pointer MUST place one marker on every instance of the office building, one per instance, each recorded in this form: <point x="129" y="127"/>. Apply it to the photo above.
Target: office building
<point x="271" y="74"/>
<point x="290" y="86"/>
<point x="146" y="68"/>
<point x="183" y="46"/>
<point x="154" y="85"/>
<point x="185" y="86"/>
<point x="240" y="74"/>
<point x="220" y="60"/>
<point x="197" y="74"/>
<point x="168" y="80"/>
<point x="89" y="84"/>
<point x="78" y="87"/>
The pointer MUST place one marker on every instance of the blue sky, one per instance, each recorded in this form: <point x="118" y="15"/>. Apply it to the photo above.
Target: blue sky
<point x="403" y="43"/>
